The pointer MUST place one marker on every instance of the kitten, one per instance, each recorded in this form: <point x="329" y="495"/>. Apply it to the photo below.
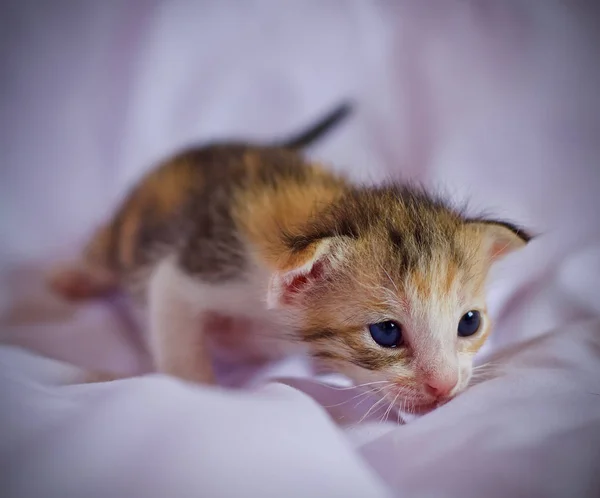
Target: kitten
<point x="378" y="283"/>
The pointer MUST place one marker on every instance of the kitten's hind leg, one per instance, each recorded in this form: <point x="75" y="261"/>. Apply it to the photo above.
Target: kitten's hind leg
<point x="80" y="281"/>
<point x="91" y="275"/>
<point x="177" y="335"/>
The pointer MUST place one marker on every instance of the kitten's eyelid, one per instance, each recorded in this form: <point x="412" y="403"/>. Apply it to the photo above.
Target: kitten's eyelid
<point x="466" y="309"/>
<point x="369" y="319"/>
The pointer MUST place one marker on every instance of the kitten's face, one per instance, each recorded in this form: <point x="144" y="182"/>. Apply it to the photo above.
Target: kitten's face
<point x="418" y="328"/>
<point x="400" y="300"/>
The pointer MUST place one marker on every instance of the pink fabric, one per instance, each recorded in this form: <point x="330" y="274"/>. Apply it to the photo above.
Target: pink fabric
<point x="491" y="101"/>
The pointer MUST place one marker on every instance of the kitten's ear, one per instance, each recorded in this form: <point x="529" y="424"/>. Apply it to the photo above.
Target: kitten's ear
<point x="499" y="237"/>
<point x="302" y="270"/>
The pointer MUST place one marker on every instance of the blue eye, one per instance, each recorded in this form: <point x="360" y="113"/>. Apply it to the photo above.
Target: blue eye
<point x="469" y="323"/>
<point x="386" y="334"/>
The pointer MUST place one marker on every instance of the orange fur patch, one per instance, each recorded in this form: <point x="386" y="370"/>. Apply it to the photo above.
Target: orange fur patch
<point x="451" y="275"/>
<point x="128" y="237"/>
<point x="283" y="209"/>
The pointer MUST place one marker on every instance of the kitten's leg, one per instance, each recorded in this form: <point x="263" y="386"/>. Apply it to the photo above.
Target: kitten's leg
<point x="177" y="336"/>
<point x="81" y="280"/>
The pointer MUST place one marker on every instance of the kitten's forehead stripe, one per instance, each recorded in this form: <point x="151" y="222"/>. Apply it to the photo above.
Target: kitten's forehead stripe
<point x="326" y="355"/>
<point x="451" y="275"/>
<point x="396" y="238"/>
<point x="312" y="335"/>
<point x="418" y="226"/>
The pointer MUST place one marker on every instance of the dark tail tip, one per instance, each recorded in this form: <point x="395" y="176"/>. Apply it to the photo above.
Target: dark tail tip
<point x="320" y="129"/>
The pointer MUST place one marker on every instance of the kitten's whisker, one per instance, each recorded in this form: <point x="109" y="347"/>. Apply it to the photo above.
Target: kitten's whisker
<point x="387" y="412"/>
<point x="388" y="276"/>
<point x="484" y="367"/>
<point x="374" y="391"/>
<point x="364" y="393"/>
<point x="483" y="372"/>
<point x="359" y="385"/>
<point x="372" y="408"/>
<point x="489" y="364"/>
<point x="399" y="412"/>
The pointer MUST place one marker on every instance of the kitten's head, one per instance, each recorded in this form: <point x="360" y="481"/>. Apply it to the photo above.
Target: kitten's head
<point x="388" y="285"/>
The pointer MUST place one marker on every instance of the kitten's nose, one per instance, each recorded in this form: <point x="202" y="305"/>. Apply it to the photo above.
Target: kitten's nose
<point x="441" y="386"/>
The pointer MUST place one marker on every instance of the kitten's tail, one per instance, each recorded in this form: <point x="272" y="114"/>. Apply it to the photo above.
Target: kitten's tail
<point x="317" y="131"/>
<point x="90" y="276"/>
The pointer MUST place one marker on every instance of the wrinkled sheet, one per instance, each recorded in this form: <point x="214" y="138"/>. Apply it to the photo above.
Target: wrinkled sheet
<point x="494" y="102"/>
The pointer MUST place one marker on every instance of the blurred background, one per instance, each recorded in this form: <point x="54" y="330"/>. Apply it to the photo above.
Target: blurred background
<point x="494" y="102"/>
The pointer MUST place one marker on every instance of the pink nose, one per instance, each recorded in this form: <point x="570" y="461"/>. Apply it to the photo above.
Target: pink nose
<point x="440" y="386"/>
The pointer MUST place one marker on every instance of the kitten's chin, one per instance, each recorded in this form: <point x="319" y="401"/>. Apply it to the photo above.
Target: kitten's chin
<point x="421" y="407"/>
<point x="425" y="408"/>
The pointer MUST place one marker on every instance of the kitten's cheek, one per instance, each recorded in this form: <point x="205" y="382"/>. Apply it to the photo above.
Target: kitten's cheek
<point x="465" y="377"/>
